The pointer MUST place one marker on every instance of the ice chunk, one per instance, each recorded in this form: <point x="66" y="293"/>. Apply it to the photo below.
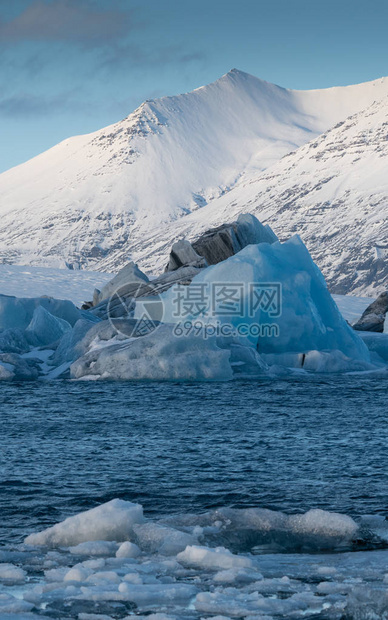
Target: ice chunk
<point x="213" y="559"/>
<point x="88" y="335"/>
<point x="13" y="341"/>
<point x="244" y="360"/>
<point x="255" y="606"/>
<point x="6" y="372"/>
<point x="12" y="608"/>
<point x="324" y="523"/>
<point x="112" y="521"/>
<point x="129" y="277"/>
<point x="95" y="547"/>
<point x="152" y="537"/>
<point x="257" y="527"/>
<point x="376" y="343"/>
<point x="332" y="362"/>
<point x="150" y="595"/>
<point x="77" y="573"/>
<point x="237" y="575"/>
<point x="107" y="576"/>
<point x="17" y="312"/>
<point x="10" y="572"/>
<point x="183" y="254"/>
<point x="15" y="367"/>
<point x="128" y="549"/>
<point x="217" y="244"/>
<point x="159" y="356"/>
<point x="318" y="361"/>
<point x="250" y="231"/>
<point x="71" y="344"/>
<point x="45" y="328"/>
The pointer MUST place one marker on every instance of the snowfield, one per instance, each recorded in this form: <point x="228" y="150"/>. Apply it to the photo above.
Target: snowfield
<point x="178" y="165"/>
<point x="75" y="285"/>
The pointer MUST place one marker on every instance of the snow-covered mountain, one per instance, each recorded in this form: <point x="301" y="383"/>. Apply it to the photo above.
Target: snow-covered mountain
<point x="179" y="164"/>
<point x="332" y="191"/>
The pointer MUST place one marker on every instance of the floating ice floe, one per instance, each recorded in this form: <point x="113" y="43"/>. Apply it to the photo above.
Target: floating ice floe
<point x="112" y="522"/>
<point x="11" y="573"/>
<point x="247" y="563"/>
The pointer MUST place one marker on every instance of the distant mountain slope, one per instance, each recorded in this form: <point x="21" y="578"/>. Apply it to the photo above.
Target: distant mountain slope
<point x="92" y="201"/>
<point x="333" y="192"/>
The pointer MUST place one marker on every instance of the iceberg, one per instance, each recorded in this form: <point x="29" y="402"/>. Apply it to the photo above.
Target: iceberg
<point x="17" y="312"/>
<point x="307" y="318"/>
<point x="377" y="344"/>
<point x="305" y="331"/>
<point x="129" y="278"/>
<point x="45" y="328"/>
<point x="262" y="307"/>
<point x="13" y="341"/>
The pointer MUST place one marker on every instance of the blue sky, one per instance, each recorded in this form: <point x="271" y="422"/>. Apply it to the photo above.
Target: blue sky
<point x="73" y="66"/>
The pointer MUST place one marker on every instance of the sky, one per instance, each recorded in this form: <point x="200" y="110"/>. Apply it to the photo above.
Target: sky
<point x="73" y="66"/>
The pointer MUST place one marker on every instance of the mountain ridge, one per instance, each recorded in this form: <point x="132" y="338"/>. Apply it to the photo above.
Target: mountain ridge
<point x="91" y="200"/>
<point x="344" y="171"/>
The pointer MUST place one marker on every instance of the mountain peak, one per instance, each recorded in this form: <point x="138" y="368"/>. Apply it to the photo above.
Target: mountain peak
<point x="237" y="74"/>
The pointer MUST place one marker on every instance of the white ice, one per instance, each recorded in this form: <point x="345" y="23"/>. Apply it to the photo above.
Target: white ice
<point x="159" y="356"/>
<point x="113" y="521"/>
<point x="204" y="579"/>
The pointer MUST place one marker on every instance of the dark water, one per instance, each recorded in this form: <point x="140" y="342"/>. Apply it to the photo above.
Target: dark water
<point x="286" y="445"/>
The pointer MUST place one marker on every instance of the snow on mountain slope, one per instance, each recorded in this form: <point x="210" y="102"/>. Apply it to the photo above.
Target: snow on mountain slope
<point x="91" y="200"/>
<point x="332" y="191"/>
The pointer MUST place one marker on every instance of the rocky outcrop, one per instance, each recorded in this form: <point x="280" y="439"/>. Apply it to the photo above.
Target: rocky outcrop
<point x="218" y="244"/>
<point x="374" y="316"/>
<point x="183" y="254"/>
<point x="117" y="298"/>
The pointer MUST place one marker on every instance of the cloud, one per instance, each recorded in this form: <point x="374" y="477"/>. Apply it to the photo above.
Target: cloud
<point x="81" y="22"/>
<point x="29" y="105"/>
<point x="118" y="56"/>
